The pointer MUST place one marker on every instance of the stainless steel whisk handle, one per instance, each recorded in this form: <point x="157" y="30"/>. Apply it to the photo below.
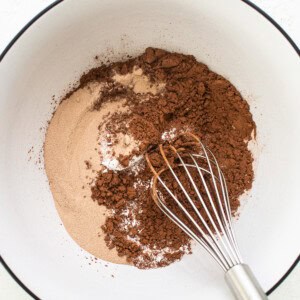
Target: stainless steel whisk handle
<point x="243" y="284"/>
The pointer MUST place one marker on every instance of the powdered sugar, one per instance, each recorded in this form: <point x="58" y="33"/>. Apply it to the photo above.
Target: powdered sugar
<point x="174" y="132"/>
<point x="112" y="146"/>
<point x="169" y="135"/>
<point x="155" y="256"/>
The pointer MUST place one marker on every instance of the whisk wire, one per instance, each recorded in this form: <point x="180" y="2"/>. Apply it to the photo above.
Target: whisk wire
<point x="225" y="243"/>
<point x="212" y="243"/>
<point x="228" y="217"/>
<point x="189" y="232"/>
<point x="221" y="179"/>
<point x="229" y="249"/>
<point x="212" y="236"/>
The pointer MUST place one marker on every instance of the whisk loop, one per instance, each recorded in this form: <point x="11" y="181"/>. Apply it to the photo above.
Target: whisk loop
<point x="210" y="226"/>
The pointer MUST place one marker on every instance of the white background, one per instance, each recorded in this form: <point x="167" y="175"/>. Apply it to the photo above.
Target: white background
<point x="14" y="14"/>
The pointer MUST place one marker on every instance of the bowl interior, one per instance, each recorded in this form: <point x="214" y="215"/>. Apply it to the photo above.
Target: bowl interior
<point x="53" y="53"/>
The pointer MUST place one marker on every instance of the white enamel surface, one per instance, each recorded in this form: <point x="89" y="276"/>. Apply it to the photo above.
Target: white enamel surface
<point x="56" y="50"/>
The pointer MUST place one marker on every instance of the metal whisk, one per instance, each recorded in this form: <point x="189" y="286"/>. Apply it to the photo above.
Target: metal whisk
<point x="203" y="210"/>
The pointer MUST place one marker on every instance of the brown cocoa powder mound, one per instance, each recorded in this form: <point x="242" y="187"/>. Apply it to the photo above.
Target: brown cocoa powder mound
<point x="152" y="229"/>
<point x="194" y="98"/>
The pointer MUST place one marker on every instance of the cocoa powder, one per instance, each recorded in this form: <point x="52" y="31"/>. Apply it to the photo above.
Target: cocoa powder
<point x="194" y="99"/>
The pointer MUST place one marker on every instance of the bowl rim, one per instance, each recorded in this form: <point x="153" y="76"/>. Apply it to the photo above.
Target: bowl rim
<point x="55" y="3"/>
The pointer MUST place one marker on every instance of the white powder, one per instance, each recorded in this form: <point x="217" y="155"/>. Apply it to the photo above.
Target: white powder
<point x="173" y="133"/>
<point x="112" y="146"/>
<point x="169" y="135"/>
<point x="130" y="222"/>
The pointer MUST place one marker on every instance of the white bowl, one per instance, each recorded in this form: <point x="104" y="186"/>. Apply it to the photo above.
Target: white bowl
<point x="236" y="41"/>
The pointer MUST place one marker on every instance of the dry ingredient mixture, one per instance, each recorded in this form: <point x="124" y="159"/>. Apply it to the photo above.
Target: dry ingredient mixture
<point x="133" y="105"/>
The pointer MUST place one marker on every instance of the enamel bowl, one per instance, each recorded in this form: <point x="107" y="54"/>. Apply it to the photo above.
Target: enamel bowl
<point x="234" y="39"/>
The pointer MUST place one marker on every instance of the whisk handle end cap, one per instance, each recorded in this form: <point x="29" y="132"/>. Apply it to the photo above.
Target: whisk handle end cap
<point x="243" y="283"/>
